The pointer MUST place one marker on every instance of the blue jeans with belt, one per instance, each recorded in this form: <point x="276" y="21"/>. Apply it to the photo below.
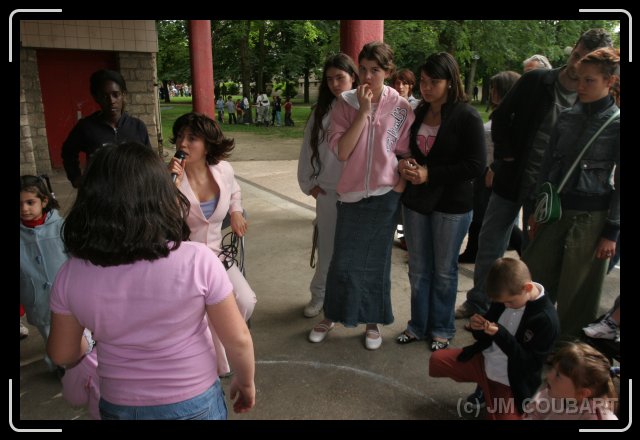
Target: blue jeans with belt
<point x="209" y="405"/>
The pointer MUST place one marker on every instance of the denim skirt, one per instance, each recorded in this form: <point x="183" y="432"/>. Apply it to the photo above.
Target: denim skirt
<point x="209" y="405"/>
<point x="358" y="287"/>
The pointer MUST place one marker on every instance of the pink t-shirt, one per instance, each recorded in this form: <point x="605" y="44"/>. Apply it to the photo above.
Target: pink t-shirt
<point x="426" y="137"/>
<point x="149" y="321"/>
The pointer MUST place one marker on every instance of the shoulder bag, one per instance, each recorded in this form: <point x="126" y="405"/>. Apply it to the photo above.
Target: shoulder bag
<point x="548" y="209"/>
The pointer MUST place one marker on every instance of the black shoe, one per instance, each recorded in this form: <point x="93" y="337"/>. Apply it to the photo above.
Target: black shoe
<point x="60" y="372"/>
<point x="477" y="398"/>
<point x="467" y="257"/>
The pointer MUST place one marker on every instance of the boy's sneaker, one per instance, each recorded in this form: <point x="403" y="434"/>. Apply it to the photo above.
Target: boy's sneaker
<point x="313" y="308"/>
<point x="603" y="329"/>
<point x="477" y="398"/>
<point x="24" y="331"/>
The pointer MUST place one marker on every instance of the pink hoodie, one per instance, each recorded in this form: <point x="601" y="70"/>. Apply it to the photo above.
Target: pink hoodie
<point x="371" y="170"/>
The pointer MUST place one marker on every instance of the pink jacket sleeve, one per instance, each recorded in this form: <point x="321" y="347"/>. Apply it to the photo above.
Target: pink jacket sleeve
<point x="402" y="144"/>
<point x="341" y="117"/>
<point x="235" y="204"/>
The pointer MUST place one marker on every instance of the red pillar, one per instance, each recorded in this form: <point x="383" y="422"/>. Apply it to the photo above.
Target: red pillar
<point x="356" y="33"/>
<point x="202" y="67"/>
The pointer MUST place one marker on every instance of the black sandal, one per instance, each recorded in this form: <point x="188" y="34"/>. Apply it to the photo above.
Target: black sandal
<point x="406" y="338"/>
<point x="439" y="345"/>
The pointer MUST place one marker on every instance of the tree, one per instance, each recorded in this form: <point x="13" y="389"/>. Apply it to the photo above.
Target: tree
<point x="173" y="54"/>
<point x="300" y="47"/>
<point x="497" y="44"/>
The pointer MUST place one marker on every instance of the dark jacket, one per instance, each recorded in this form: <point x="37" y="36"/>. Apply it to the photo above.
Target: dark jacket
<point x="593" y="185"/>
<point x="93" y="132"/>
<point x="516" y="121"/>
<point x="457" y="157"/>
<point x="526" y="351"/>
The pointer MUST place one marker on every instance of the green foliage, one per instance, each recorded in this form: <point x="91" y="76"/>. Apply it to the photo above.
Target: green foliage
<point x="292" y="48"/>
<point x="173" y="51"/>
<point x="287" y="88"/>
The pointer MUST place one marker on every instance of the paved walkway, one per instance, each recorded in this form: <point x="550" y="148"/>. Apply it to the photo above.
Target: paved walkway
<point x="336" y="379"/>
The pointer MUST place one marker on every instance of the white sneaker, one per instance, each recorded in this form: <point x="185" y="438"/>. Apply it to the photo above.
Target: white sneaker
<point x="24" y="331"/>
<point x="373" y="338"/>
<point x="313" y="308"/>
<point x="604" y="329"/>
<point x="320" y="331"/>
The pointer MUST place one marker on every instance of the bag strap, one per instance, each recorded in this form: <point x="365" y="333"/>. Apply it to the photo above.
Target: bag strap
<point x="314" y="246"/>
<point x="586" y="147"/>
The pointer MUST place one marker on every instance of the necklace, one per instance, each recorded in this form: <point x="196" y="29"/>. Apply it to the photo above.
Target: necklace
<point x="435" y="114"/>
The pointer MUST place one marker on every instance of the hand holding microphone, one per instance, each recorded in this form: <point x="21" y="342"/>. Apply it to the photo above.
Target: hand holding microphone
<point x="180" y="156"/>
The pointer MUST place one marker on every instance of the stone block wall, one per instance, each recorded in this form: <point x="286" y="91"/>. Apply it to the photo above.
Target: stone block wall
<point x="34" y="147"/>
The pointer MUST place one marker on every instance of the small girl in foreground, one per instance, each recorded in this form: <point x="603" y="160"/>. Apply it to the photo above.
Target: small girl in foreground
<point x="578" y="387"/>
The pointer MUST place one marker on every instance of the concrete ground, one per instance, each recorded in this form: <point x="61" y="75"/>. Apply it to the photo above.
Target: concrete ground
<point x="295" y="379"/>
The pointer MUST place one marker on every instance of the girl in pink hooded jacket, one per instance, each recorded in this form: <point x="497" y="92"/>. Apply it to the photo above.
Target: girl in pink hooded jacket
<point x="369" y="128"/>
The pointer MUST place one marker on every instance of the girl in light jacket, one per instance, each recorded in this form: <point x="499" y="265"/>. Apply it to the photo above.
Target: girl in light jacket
<point x="369" y="127"/>
<point x="41" y="252"/>
<point x="319" y="168"/>
<point x="212" y="191"/>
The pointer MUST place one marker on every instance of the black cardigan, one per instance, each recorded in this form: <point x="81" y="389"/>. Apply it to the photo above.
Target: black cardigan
<point x="526" y="351"/>
<point x="457" y="157"/>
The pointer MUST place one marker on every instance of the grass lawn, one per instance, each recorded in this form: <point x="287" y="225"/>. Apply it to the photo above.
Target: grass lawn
<point x="482" y="109"/>
<point x="300" y="114"/>
<point x="181" y="105"/>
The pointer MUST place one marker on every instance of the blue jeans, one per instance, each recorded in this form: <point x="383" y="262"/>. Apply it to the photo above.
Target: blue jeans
<point x="209" y="405"/>
<point x="433" y="243"/>
<point x="492" y="244"/>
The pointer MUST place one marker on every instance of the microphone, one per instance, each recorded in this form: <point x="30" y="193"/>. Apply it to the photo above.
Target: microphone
<point x="181" y="155"/>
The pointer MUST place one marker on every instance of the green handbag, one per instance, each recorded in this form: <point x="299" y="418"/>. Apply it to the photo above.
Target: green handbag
<point x="548" y="208"/>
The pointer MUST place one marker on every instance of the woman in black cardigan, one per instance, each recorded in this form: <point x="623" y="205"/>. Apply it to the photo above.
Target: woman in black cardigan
<point x="448" y="152"/>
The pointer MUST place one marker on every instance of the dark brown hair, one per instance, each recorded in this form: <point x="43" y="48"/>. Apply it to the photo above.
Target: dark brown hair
<point x="38" y="186"/>
<point x="340" y="61"/>
<point x="379" y="52"/>
<point x="404" y="75"/>
<point x="216" y="145"/>
<point x="594" y="39"/>
<point x="127" y="208"/>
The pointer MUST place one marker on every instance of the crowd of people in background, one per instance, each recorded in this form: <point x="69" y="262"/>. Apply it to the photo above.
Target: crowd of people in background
<point x="114" y="276"/>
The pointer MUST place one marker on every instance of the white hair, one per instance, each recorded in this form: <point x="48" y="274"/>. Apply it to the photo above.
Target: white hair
<point x="538" y="58"/>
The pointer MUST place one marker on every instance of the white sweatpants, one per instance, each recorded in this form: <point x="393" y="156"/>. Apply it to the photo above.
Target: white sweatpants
<point x="246" y="300"/>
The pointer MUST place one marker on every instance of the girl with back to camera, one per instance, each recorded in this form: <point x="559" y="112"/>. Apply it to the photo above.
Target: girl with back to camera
<point x="319" y="168"/>
<point x="41" y="252"/>
<point x="146" y="293"/>
<point x="369" y="127"/>
<point x="208" y="182"/>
